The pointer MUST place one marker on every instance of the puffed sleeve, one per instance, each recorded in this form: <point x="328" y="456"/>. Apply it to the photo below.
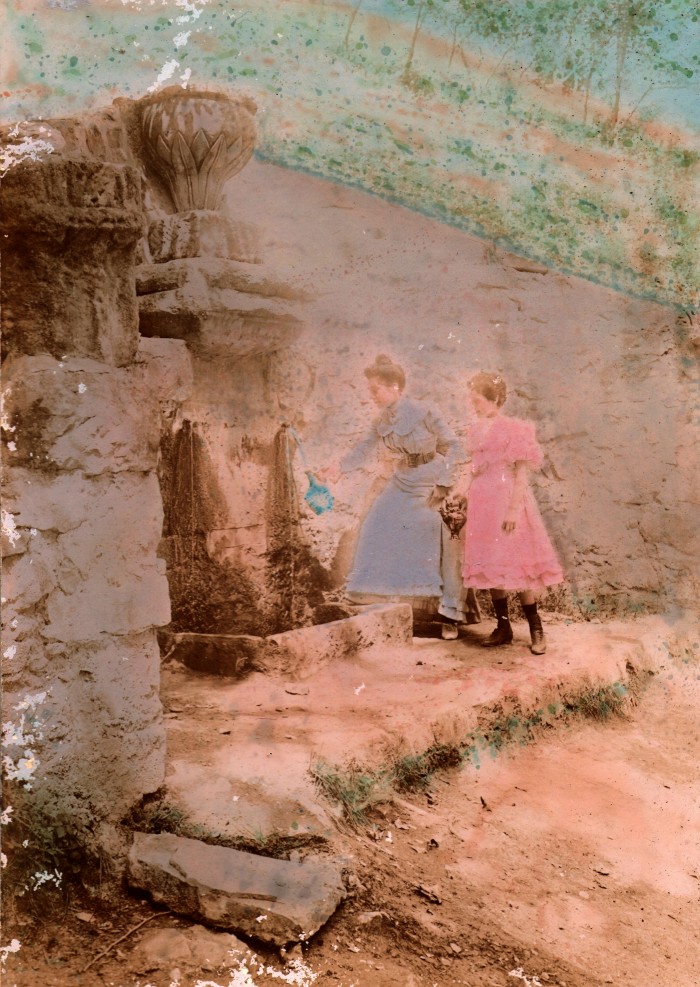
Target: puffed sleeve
<point x="523" y="444"/>
<point x="447" y="444"/>
<point x="360" y="452"/>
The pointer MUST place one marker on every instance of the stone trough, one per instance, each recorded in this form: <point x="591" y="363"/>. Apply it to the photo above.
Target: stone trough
<point x="297" y="653"/>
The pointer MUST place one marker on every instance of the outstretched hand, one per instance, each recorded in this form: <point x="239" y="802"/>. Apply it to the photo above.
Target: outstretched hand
<point x="329" y="474"/>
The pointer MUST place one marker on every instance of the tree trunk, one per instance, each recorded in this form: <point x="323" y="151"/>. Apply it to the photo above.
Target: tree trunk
<point x="454" y="44"/>
<point x="623" y="39"/>
<point x="351" y="21"/>
<point x="589" y="79"/>
<point x="420" y="17"/>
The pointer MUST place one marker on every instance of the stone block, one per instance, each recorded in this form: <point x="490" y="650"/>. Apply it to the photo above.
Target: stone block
<point x="219" y="307"/>
<point x="275" y="901"/>
<point x="302" y="651"/>
<point x="78" y="414"/>
<point x="216" y="274"/>
<point x="30" y="577"/>
<point x="50" y="502"/>
<point x="232" y="655"/>
<point x="103" y="743"/>
<point x="71" y="228"/>
<point x="167" y="368"/>
<point x="117" y="585"/>
<point x="91" y="552"/>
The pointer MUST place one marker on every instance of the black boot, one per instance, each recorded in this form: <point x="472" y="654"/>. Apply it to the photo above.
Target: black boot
<point x="539" y="644"/>
<point x="503" y="634"/>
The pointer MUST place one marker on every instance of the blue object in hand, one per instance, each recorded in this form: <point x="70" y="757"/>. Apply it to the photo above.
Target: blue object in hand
<point x="318" y="497"/>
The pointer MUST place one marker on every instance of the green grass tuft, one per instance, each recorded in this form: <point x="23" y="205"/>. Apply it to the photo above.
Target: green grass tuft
<point x="359" y="789"/>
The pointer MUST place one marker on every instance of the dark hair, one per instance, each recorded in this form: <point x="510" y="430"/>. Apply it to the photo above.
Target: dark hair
<point x="384" y="370"/>
<point x="490" y="386"/>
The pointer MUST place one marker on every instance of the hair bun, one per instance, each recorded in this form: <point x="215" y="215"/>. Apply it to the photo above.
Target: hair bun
<point x="385" y="370"/>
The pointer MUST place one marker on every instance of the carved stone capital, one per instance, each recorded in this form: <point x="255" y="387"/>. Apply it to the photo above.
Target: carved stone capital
<point x="70" y="229"/>
<point x="196" y="141"/>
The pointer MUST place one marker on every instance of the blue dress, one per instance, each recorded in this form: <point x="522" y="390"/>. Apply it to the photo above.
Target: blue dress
<point x="404" y="549"/>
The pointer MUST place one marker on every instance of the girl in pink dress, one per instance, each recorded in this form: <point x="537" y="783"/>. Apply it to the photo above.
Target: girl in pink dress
<point x="506" y="545"/>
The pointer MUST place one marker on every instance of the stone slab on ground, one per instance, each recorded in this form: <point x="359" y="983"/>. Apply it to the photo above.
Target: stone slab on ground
<point x="275" y="901"/>
<point x="239" y="753"/>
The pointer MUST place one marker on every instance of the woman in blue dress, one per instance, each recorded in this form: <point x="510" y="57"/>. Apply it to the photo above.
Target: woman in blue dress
<point x="404" y="549"/>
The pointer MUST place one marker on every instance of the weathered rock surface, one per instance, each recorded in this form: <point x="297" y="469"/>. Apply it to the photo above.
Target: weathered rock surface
<point x="103" y="743"/>
<point x="166" y="367"/>
<point x="78" y="414"/>
<point x="302" y="651"/>
<point x="196" y="949"/>
<point x="276" y="901"/>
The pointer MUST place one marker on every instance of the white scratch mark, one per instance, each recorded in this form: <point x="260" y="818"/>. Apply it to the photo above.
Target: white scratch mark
<point x="359" y="689"/>
<point x="82" y="388"/>
<point x="10" y="652"/>
<point x="13" y="947"/>
<point x="165" y="73"/>
<point x="181" y="39"/>
<point x="529" y="981"/>
<point x="193" y="12"/>
<point x="9" y="528"/>
<point x="28" y="149"/>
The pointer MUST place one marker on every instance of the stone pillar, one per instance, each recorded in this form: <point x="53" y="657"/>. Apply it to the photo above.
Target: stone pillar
<point x="83" y="587"/>
<point x="206" y="282"/>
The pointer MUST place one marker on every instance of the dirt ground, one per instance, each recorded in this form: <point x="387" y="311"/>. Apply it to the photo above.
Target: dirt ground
<point x="572" y="861"/>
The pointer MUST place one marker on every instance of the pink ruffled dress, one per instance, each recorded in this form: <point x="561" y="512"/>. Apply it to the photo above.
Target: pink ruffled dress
<point x="495" y="559"/>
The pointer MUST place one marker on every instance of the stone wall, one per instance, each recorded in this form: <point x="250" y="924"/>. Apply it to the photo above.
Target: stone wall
<point x="611" y="381"/>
